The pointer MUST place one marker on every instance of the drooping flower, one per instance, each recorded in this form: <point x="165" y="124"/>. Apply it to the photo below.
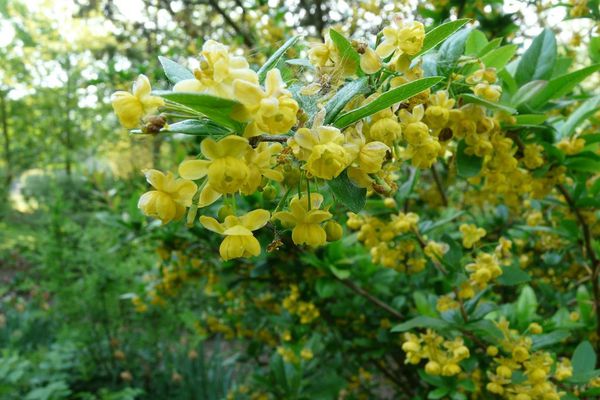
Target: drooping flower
<point x="225" y="166"/>
<point x="272" y="110"/>
<point x="170" y="197"/>
<point x="322" y="149"/>
<point x="260" y="164"/>
<point x="217" y="72"/>
<point x="131" y="107"/>
<point x="239" y="240"/>
<point x="306" y="220"/>
<point x="402" y="38"/>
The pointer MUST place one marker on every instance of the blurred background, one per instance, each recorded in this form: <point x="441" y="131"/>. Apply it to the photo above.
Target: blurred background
<point x="82" y="271"/>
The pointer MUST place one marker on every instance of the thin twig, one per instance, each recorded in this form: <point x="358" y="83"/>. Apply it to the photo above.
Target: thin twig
<point x="362" y="292"/>
<point x="589" y="250"/>
<point x="255" y="140"/>
<point x="438" y="184"/>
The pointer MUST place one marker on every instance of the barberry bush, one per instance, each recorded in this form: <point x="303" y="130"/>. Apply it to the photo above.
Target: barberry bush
<point x="406" y="214"/>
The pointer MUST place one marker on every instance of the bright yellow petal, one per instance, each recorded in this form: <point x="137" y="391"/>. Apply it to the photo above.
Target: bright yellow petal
<point x="156" y="178"/>
<point x="237" y="230"/>
<point x="317" y="216"/>
<point x="208" y="196"/>
<point x="247" y="93"/>
<point x="256" y="219"/>
<point x="233" y="146"/>
<point x="189" y="85"/>
<point x="193" y="169"/>
<point x="273" y="82"/>
<point x="232" y="247"/>
<point x="287" y="218"/>
<point x="141" y="86"/>
<point x="211" y="224"/>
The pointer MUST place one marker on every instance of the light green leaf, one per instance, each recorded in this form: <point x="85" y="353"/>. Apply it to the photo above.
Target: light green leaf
<point x="175" y="72"/>
<point x="584" y="358"/>
<point x="526" y="306"/>
<point x="492" y="45"/>
<point x="471" y="98"/>
<point x="215" y="108"/>
<point x="347" y="52"/>
<point x="196" y="127"/>
<point x="583" y="112"/>
<point x="439" y="33"/>
<point x="343" y="97"/>
<point x="421" y="322"/>
<point x="548" y="339"/>
<point x="475" y="42"/>
<point x="275" y="57"/>
<point x="538" y="60"/>
<point x="561" y="85"/>
<point x="499" y="57"/>
<point x="513" y="275"/>
<point x="531" y="119"/>
<point x="451" y="50"/>
<point x="386" y="100"/>
<point x="348" y="193"/>
<point x="467" y="165"/>
<point x="527" y="92"/>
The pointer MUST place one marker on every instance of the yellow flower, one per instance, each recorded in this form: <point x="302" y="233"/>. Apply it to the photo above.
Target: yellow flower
<point x="369" y="156"/>
<point x="218" y="70"/>
<point x="322" y="149"/>
<point x="402" y="38"/>
<point x="131" y="107"/>
<point x="170" y="198"/>
<point x="370" y="62"/>
<point x="225" y="167"/>
<point x="259" y="161"/>
<point x="306" y="222"/>
<point x="239" y="240"/>
<point x="471" y="234"/>
<point x="272" y="110"/>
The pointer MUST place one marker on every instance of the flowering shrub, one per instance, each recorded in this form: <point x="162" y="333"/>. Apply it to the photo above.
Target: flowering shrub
<point x="456" y="183"/>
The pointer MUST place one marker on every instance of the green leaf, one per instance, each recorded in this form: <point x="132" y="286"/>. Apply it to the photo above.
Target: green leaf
<point x="562" y="66"/>
<point x="386" y="100"/>
<point x="485" y="327"/>
<point x="594" y="49"/>
<point x="421" y="322"/>
<point x="584" y="302"/>
<point x="538" y="60"/>
<point x="451" y="50"/>
<point x="422" y="304"/>
<point x="513" y="275"/>
<point x="584" y="358"/>
<point x="197" y="128"/>
<point x="531" y="119"/>
<point x="583" y="112"/>
<point x="175" y="72"/>
<point x="343" y="97"/>
<point x="475" y="42"/>
<point x="492" y="45"/>
<point x="467" y="166"/>
<point x="347" y="52"/>
<point x="471" y="98"/>
<point x="439" y="33"/>
<point x="526" y="306"/>
<point x="548" y="339"/>
<point x="527" y="92"/>
<point x="582" y="163"/>
<point x="348" y="193"/>
<point x="562" y="85"/>
<point x="438" y="393"/>
<point x="215" y="108"/>
<point x="499" y="57"/>
<point x="275" y="57"/>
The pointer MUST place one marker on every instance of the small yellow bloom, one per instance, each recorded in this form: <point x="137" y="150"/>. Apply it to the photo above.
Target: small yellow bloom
<point x="225" y="167"/>
<point x="218" y="70"/>
<point x="239" y="240"/>
<point x="131" y="107"/>
<point x="306" y="222"/>
<point x="402" y="38"/>
<point x="272" y="110"/>
<point x="322" y="149"/>
<point x="471" y="234"/>
<point x="171" y="197"/>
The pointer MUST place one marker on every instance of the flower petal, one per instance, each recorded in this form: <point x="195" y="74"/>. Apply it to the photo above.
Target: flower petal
<point x="256" y="219"/>
<point x="194" y="169"/>
<point x="211" y="224"/>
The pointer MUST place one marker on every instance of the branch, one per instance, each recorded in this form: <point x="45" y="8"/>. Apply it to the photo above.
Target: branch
<point x="589" y="250"/>
<point x="248" y="40"/>
<point x="362" y="292"/>
<point x="255" y="140"/>
<point x="438" y="183"/>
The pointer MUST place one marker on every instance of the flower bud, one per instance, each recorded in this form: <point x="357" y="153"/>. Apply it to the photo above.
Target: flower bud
<point x="334" y="231"/>
<point x="224" y="212"/>
<point x="433" y="368"/>
<point x="269" y="192"/>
